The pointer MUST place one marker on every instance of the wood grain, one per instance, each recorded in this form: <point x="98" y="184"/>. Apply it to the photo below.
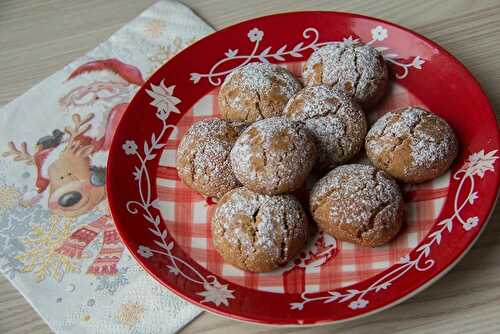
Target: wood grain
<point x="37" y="37"/>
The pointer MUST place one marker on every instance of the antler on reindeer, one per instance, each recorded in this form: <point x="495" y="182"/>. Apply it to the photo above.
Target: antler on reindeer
<point x="80" y="127"/>
<point x="20" y="154"/>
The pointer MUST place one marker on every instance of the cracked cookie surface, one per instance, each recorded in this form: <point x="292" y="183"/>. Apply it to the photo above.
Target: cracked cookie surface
<point x="256" y="232"/>
<point x="256" y="91"/>
<point x="273" y="156"/>
<point x="337" y="123"/>
<point x="203" y="156"/>
<point x="412" y="145"/>
<point x="359" y="70"/>
<point x="359" y="204"/>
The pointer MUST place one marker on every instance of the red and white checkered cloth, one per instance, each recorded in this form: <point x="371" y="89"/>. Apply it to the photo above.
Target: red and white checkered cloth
<point x="326" y="264"/>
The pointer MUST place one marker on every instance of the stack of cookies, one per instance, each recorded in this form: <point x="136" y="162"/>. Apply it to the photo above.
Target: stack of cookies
<point x="275" y="133"/>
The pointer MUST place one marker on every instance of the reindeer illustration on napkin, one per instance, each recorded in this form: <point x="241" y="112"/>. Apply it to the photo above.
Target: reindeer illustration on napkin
<point x="70" y="163"/>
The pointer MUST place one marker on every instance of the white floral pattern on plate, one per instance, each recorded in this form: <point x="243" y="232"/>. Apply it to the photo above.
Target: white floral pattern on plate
<point x="311" y="36"/>
<point x="477" y="164"/>
<point x="165" y="103"/>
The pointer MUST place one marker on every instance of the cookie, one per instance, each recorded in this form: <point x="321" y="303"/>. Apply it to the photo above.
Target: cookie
<point x="273" y="156"/>
<point x="203" y="157"/>
<point x="359" y="204"/>
<point x="359" y="70"/>
<point x="256" y="91"/>
<point x="337" y="123"/>
<point x="256" y="232"/>
<point x="413" y="145"/>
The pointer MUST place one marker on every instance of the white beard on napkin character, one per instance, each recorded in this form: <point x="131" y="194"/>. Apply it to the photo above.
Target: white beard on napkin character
<point x="97" y="87"/>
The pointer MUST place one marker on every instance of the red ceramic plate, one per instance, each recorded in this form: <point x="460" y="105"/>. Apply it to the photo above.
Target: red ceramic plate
<point x="167" y="226"/>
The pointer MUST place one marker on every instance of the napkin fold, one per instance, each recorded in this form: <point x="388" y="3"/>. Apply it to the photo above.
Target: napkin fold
<point x="58" y="245"/>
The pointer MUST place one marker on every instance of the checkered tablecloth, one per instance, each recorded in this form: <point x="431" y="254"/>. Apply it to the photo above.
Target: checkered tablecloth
<point x="326" y="264"/>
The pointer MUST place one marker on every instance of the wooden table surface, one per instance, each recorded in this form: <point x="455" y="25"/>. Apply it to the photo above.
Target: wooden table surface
<point x="38" y="37"/>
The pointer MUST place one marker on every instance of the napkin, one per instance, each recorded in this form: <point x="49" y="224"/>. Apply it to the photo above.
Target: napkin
<point x="65" y="257"/>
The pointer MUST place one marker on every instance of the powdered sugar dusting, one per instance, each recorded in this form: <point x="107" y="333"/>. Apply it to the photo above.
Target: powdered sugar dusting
<point x="227" y="223"/>
<point x="428" y="136"/>
<point x="354" y="180"/>
<point x="256" y="91"/>
<point x="210" y="161"/>
<point x="273" y="155"/>
<point x="355" y="194"/>
<point x="252" y="222"/>
<point x="203" y="156"/>
<point x="358" y="69"/>
<point x="260" y="77"/>
<point x="336" y="122"/>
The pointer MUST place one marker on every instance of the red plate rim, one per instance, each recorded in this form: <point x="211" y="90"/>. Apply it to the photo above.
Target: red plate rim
<point x="314" y="315"/>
